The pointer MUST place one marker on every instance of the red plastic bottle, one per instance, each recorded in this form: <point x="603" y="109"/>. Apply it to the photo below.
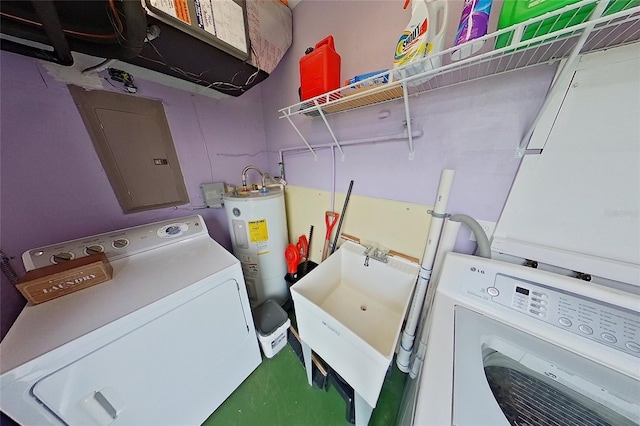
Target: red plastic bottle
<point x="319" y="70"/>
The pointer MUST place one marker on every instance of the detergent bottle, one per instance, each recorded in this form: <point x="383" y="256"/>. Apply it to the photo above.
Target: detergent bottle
<point x="422" y="38"/>
<point x="473" y="24"/>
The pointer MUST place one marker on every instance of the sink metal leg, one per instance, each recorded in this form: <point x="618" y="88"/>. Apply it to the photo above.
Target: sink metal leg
<point x="308" y="364"/>
<point x="363" y="410"/>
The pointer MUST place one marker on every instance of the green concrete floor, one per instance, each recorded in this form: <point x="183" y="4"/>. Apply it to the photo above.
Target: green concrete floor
<point x="277" y="393"/>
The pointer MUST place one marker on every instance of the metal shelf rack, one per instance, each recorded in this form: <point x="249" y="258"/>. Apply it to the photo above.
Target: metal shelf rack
<point x="597" y="28"/>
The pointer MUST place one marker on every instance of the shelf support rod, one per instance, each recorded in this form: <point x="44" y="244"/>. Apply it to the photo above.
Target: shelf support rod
<point x="568" y="67"/>
<point x="405" y="94"/>
<point x="326" y="123"/>
<point x="315" y="156"/>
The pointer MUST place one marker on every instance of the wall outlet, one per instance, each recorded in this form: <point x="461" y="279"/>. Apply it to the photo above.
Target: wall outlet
<point x="487" y="227"/>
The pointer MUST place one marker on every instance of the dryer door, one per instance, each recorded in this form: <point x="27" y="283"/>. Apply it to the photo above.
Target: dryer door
<point x="161" y="373"/>
<point x="505" y="376"/>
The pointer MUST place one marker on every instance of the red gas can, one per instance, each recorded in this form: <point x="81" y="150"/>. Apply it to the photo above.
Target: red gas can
<point x="319" y="70"/>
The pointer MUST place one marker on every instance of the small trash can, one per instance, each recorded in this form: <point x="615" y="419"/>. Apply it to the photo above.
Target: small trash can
<point x="272" y="324"/>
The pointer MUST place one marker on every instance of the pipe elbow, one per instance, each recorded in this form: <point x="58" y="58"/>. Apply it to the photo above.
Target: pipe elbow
<point x="244" y="175"/>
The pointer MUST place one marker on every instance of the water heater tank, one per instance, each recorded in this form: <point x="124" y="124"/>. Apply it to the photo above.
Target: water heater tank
<point x="258" y="227"/>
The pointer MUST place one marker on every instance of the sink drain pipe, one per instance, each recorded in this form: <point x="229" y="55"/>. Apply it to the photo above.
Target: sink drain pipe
<point x="438" y="215"/>
<point x="447" y="242"/>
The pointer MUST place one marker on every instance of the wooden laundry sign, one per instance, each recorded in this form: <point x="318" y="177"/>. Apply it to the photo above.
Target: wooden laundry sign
<point x="50" y="282"/>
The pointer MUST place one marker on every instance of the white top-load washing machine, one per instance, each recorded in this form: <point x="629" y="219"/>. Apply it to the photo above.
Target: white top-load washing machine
<point x="556" y="342"/>
<point x="509" y="344"/>
<point x="164" y="342"/>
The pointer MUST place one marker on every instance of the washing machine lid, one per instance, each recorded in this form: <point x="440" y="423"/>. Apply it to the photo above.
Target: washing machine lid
<point x="139" y="280"/>
<point x="576" y="204"/>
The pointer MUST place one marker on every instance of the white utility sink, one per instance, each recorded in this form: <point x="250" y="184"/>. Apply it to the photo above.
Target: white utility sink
<point x="350" y="311"/>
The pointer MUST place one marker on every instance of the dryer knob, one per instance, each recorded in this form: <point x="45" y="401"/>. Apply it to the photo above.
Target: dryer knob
<point x="62" y="257"/>
<point x="94" y="249"/>
<point x="120" y="243"/>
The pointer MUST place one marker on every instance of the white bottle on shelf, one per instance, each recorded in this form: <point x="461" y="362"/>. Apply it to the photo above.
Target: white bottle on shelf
<point x="422" y="38"/>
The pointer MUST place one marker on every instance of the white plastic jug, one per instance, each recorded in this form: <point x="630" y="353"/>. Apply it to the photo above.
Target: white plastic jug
<point x="418" y="47"/>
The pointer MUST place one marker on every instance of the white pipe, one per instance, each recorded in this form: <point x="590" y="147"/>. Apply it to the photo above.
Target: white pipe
<point x="448" y="238"/>
<point x="437" y="220"/>
<point x="447" y="243"/>
<point x="364" y="141"/>
<point x="333" y="178"/>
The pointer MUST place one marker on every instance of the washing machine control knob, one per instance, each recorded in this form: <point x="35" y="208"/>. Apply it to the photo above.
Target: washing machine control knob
<point x="493" y="292"/>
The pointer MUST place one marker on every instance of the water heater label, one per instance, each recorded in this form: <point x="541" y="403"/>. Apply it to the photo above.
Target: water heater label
<point x="262" y="247"/>
<point x="258" y="230"/>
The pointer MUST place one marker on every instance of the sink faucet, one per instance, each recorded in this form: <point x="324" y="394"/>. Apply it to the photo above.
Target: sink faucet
<point x="375" y="253"/>
<point x="244" y="175"/>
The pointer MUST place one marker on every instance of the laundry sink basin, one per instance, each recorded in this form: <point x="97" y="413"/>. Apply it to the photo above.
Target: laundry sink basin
<point x="350" y="311"/>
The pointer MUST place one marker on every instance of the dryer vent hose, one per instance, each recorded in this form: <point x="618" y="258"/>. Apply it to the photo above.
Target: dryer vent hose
<point x="7" y="270"/>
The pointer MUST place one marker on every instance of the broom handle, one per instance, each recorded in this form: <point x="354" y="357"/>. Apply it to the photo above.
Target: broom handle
<point x="344" y="209"/>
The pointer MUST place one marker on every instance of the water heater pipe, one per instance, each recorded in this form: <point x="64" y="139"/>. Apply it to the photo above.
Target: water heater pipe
<point x="244" y="175"/>
<point x="438" y="215"/>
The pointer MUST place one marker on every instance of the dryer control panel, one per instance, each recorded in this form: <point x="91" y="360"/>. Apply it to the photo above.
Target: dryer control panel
<point x="117" y="244"/>
<point x="589" y="318"/>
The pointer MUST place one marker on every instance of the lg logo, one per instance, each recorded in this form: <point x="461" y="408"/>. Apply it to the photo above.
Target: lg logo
<point x="479" y="271"/>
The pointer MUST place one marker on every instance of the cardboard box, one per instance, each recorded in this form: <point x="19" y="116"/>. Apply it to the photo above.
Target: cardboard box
<point x="50" y="282"/>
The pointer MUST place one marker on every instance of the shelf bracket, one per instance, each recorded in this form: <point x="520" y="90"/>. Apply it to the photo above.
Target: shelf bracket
<point x="315" y="156"/>
<point x="567" y="67"/>
<point x="326" y="123"/>
<point x="405" y="94"/>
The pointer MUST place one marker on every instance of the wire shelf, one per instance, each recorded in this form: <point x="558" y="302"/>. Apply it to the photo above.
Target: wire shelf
<point x="583" y="27"/>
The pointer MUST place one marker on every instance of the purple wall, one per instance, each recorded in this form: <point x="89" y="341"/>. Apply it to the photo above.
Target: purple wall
<point x="54" y="187"/>
<point x="473" y="128"/>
